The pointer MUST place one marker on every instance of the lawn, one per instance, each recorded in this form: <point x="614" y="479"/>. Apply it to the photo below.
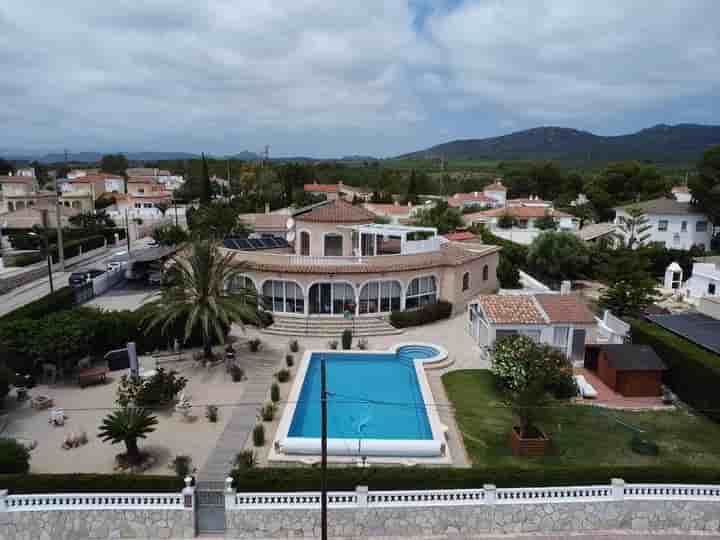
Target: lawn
<point x="583" y="435"/>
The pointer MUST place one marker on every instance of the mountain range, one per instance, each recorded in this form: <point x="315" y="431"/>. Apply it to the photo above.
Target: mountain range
<point x="664" y="143"/>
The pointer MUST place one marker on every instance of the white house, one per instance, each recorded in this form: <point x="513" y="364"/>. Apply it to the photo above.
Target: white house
<point x="525" y="229"/>
<point x="705" y="279"/>
<point x="682" y="193"/>
<point x="675" y="224"/>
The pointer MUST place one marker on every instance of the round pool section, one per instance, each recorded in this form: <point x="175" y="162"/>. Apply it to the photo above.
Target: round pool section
<point x="418" y="352"/>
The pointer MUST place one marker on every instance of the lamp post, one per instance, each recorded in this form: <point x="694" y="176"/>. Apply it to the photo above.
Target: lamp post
<point x="323" y="449"/>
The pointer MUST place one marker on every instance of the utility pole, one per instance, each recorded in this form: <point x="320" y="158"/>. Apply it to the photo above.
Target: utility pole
<point x="127" y="234"/>
<point x="61" y="248"/>
<point x="48" y="254"/>
<point x="323" y="450"/>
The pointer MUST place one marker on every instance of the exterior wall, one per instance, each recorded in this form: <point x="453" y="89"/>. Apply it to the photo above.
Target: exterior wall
<point x="639" y="383"/>
<point x="457" y="521"/>
<point x="703" y="275"/>
<point x="684" y="240"/>
<point x="710" y="307"/>
<point x="607" y="374"/>
<point x="317" y="237"/>
<point x="96" y="524"/>
<point x="460" y="298"/>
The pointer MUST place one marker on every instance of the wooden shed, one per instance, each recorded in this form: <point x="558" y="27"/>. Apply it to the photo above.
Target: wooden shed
<point x="631" y="370"/>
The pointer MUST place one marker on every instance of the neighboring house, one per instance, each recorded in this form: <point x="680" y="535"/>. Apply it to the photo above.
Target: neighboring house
<point x="597" y="232"/>
<point x="682" y="193"/>
<point x="704" y="279"/>
<point x="460" y="236"/>
<point x="631" y="370"/>
<point x="139" y="205"/>
<point x="339" y="260"/>
<point x="560" y="320"/>
<point x="16" y="192"/>
<point x="532" y="201"/>
<point x="26" y="171"/>
<point x="524" y="231"/>
<point x="95" y="185"/>
<point x="474" y="200"/>
<point x="674" y="224"/>
<point x="395" y="212"/>
<point x="497" y="191"/>
<point x="33" y="216"/>
<point x="333" y="191"/>
<point x="267" y="224"/>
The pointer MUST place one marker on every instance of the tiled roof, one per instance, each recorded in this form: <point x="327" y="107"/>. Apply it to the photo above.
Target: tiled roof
<point x="321" y="188"/>
<point x="398" y="209"/>
<point x="511" y="309"/>
<point x="459" y="236"/>
<point x="447" y="255"/>
<point x="476" y="196"/>
<point x="17" y="179"/>
<point x="495" y="186"/>
<point x="565" y="308"/>
<point x="518" y="212"/>
<point x="265" y="221"/>
<point x="681" y="189"/>
<point x="596" y="230"/>
<point x="663" y="205"/>
<point x="338" y="211"/>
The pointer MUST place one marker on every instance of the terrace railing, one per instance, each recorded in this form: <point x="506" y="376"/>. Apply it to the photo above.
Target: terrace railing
<point x="94" y="501"/>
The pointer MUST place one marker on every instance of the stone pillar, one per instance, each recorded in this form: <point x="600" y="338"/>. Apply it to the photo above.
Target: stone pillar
<point x="230" y="492"/>
<point x="361" y="492"/>
<point x="188" y="493"/>
<point x="4" y="516"/>
<point x="618" y="489"/>
<point x="490" y="493"/>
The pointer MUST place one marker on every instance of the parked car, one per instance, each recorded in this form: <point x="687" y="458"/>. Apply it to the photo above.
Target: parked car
<point x="78" y="278"/>
<point x="116" y="265"/>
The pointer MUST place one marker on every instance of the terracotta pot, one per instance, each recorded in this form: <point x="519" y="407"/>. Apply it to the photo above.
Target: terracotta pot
<point x="531" y="446"/>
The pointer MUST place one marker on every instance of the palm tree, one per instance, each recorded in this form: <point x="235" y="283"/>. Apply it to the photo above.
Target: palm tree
<point x="127" y="426"/>
<point x="199" y="293"/>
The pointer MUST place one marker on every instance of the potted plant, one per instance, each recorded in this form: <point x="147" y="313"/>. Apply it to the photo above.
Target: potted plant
<point x="527" y="439"/>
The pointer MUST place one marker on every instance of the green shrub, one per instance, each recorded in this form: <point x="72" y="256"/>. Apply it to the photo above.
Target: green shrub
<point x="26" y="259"/>
<point x="181" y="465"/>
<point x="283" y="375"/>
<point x="394" y="478"/>
<point x="259" y="435"/>
<point x="254" y="344"/>
<point x="7" y="377"/>
<point x="362" y="344"/>
<point x="333" y="344"/>
<point x="693" y="373"/>
<point x="347" y="339"/>
<point x="275" y="393"/>
<point x="90" y="483"/>
<point x="267" y="413"/>
<point x="237" y="373"/>
<point x="294" y="346"/>
<point x="14" y="457"/>
<point x="212" y="413"/>
<point x="424" y="315"/>
<point x="63" y="298"/>
<point x="289" y="360"/>
<point x="160" y="389"/>
<point x="245" y="459"/>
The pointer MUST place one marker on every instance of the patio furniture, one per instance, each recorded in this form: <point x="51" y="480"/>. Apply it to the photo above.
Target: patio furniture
<point x="57" y="417"/>
<point x="92" y="376"/>
<point x="41" y="402"/>
<point x="584" y="387"/>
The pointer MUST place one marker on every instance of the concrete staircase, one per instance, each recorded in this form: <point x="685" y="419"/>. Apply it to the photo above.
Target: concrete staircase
<point x="330" y="327"/>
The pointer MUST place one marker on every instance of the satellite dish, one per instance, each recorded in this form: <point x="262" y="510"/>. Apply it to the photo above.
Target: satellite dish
<point x="290" y="223"/>
<point x="290" y="236"/>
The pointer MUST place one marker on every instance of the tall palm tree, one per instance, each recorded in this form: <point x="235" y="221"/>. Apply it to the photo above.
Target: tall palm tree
<point x="199" y="293"/>
<point x="127" y="426"/>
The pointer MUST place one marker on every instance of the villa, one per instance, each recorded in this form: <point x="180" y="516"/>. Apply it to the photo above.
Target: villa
<point x="334" y="261"/>
<point x="525" y="214"/>
<point x="492" y="196"/>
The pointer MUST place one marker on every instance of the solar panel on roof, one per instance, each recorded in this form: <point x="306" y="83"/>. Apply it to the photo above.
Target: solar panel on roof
<point x="255" y="243"/>
<point x="282" y="242"/>
<point x="700" y="329"/>
<point x="242" y="243"/>
<point x="229" y="243"/>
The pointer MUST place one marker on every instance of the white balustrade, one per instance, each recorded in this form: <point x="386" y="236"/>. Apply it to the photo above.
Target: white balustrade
<point x="553" y="494"/>
<point x="673" y="492"/>
<point x="442" y="497"/>
<point x="95" y="501"/>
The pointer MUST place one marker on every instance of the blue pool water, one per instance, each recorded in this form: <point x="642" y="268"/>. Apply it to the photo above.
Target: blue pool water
<point x="372" y="396"/>
<point x="420" y="352"/>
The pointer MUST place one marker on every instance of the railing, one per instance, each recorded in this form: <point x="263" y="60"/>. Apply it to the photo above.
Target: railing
<point x="94" y="501"/>
<point x="488" y="495"/>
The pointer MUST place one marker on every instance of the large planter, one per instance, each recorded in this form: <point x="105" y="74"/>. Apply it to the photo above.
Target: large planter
<point x="538" y="446"/>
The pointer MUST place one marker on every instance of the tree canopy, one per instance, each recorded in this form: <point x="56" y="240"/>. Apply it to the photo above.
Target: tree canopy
<point x="705" y="187"/>
<point x="440" y="216"/>
<point x="557" y="256"/>
<point x="114" y="164"/>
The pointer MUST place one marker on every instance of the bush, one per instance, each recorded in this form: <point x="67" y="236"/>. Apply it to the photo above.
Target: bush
<point x="182" y="466"/>
<point x="333" y="344"/>
<point x="362" y="344"/>
<point x="289" y="360"/>
<point x="395" y="478"/>
<point x="245" y="459"/>
<point x="275" y="392"/>
<point x="14" y="457"/>
<point x="59" y="300"/>
<point x="294" y="346"/>
<point x="693" y="373"/>
<point x="254" y="344"/>
<point x="347" y="339"/>
<point x="259" y="435"/>
<point x="160" y="389"/>
<point x="211" y="413"/>
<point x="26" y="259"/>
<point x="267" y="413"/>
<point x="7" y="378"/>
<point x="237" y="373"/>
<point x="90" y="483"/>
<point x="424" y="315"/>
<point x="283" y="375"/>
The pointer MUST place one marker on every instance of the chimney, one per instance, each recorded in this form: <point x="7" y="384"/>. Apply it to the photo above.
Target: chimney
<point x="267" y="208"/>
<point x="409" y="204"/>
<point x="565" y="287"/>
<point x="396" y="202"/>
<point x="475" y="193"/>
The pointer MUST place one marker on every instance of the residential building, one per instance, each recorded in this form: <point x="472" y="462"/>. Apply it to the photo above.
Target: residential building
<point x="532" y="201"/>
<point x="682" y="194"/>
<point x="525" y="229"/>
<point x="710" y="306"/>
<point x="397" y="213"/>
<point x="497" y="191"/>
<point x="704" y="280"/>
<point x="674" y="224"/>
<point x="26" y="171"/>
<point x="16" y="192"/>
<point x="28" y="218"/>
<point x="560" y="320"/>
<point x="95" y="185"/>
<point x="339" y="260"/>
<point x="492" y="196"/>
<point x="333" y="191"/>
<point x="267" y="224"/>
<point x="597" y="232"/>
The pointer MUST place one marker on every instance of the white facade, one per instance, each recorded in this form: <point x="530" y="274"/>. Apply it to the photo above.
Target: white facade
<point x="704" y="281"/>
<point x="115" y="184"/>
<point x="674" y="231"/>
<point x="26" y="172"/>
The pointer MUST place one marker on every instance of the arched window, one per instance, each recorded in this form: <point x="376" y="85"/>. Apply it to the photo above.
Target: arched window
<point x="466" y="281"/>
<point x="331" y="298"/>
<point x="333" y="245"/>
<point x="485" y="272"/>
<point x="283" y="296"/>
<point x="241" y="282"/>
<point x="304" y="243"/>
<point x="380" y="297"/>
<point x="420" y="292"/>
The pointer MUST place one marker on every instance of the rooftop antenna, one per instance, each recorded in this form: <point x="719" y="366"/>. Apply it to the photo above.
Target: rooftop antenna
<point x="266" y="154"/>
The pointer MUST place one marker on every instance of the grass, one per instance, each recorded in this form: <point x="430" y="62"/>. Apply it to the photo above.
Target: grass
<point x="582" y="435"/>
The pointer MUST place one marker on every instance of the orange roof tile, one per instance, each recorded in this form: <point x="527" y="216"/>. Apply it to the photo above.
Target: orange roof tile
<point x="398" y="209"/>
<point x="338" y="211"/>
<point x="460" y="236"/>
<point x="501" y="309"/>
<point x="321" y="188"/>
<point x="518" y="212"/>
<point x="565" y="308"/>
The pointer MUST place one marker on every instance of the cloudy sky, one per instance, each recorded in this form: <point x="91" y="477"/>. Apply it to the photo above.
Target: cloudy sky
<point x="330" y="77"/>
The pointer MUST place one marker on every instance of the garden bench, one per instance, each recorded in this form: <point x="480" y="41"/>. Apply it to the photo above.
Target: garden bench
<point x="92" y="376"/>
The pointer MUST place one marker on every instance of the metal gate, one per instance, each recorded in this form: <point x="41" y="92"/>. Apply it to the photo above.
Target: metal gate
<point x="210" y="511"/>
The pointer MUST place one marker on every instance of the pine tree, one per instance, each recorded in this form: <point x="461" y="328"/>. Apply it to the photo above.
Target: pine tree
<point x="206" y="187"/>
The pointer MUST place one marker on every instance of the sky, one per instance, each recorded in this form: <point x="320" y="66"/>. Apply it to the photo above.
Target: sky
<point x="329" y="78"/>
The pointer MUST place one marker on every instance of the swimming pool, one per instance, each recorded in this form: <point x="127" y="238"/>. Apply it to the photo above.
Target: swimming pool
<point x="377" y="405"/>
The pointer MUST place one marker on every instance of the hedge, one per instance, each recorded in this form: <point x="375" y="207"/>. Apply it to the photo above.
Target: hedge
<point x="693" y="373"/>
<point x="63" y="298"/>
<point x="393" y="478"/>
<point x="90" y="483"/>
<point x="424" y="315"/>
